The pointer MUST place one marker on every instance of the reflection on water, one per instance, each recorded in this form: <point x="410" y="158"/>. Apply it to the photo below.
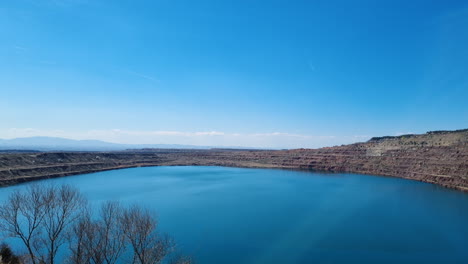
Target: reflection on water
<point x="233" y="215"/>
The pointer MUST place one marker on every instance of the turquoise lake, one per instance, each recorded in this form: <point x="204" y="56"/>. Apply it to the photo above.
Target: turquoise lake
<point x="236" y="215"/>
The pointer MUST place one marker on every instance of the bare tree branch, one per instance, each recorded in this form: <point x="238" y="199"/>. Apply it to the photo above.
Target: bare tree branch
<point x="63" y="207"/>
<point x="140" y="230"/>
<point x="44" y="218"/>
<point x="21" y="217"/>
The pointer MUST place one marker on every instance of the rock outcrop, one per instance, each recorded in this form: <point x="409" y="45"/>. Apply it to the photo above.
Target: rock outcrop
<point x="439" y="157"/>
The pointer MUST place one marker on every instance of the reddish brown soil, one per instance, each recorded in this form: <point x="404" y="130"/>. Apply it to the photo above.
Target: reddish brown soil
<point x="440" y="158"/>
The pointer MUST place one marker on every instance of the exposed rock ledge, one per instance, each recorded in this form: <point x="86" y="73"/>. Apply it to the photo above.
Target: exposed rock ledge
<point x="439" y="157"/>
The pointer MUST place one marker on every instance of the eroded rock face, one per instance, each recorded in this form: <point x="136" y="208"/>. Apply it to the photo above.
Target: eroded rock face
<point x="437" y="157"/>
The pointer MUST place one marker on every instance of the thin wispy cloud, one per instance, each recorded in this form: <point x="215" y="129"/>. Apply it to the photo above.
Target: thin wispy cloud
<point x="20" y="48"/>
<point x="144" y="76"/>
<point x="94" y="61"/>
<point x="273" y="134"/>
<point x="311" y="66"/>
<point x="64" y="3"/>
<point x="47" y="62"/>
<point x="201" y="138"/>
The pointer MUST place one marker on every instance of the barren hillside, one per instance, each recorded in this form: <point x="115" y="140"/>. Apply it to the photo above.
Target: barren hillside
<point x="439" y="157"/>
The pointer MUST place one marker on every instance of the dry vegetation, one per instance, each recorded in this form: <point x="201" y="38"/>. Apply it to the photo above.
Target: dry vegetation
<point x="50" y="219"/>
<point x="436" y="157"/>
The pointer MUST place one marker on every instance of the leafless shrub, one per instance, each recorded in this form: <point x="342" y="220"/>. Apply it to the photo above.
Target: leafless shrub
<point x="44" y="218"/>
<point x="140" y="229"/>
<point x="79" y="239"/>
<point x="7" y="256"/>
<point x="63" y="207"/>
<point x="181" y="260"/>
<point x="105" y="239"/>
<point x="21" y="217"/>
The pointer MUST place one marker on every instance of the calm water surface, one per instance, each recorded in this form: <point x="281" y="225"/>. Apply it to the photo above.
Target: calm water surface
<point x="234" y="215"/>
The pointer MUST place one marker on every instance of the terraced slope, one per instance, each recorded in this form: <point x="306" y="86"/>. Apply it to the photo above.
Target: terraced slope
<point x="439" y="157"/>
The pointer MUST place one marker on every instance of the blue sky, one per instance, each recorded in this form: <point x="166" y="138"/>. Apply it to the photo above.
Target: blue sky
<point x="233" y="73"/>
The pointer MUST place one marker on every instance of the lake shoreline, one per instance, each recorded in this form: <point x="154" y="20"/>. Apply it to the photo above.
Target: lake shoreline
<point x="25" y="178"/>
<point x="439" y="157"/>
<point x="279" y="210"/>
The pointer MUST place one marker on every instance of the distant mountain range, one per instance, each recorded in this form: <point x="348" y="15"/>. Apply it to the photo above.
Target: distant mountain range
<point x="64" y="144"/>
<point x="439" y="157"/>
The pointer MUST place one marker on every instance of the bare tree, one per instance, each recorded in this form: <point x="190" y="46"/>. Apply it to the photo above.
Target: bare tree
<point x="181" y="260"/>
<point x="140" y="229"/>
<point x="111" y="234"/>
<point x="86" y="242"/>
<point x="78" y="240"/>
<point x="22" y="215"/>
<point x="44" y="218"/>
<point x="63" y="207"/>
<point x="99" y="241"/>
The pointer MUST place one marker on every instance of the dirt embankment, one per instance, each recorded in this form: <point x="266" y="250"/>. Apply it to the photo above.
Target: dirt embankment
<point x="436" y="157"/>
